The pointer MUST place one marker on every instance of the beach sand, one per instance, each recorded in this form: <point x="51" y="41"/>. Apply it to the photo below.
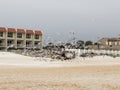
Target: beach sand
<point x="90" y="74"/>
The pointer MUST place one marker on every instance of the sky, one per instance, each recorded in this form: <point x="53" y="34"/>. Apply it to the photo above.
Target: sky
<point x="61" y="20"/>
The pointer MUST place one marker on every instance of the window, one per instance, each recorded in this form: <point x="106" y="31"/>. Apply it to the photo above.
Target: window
<point x="36" y="43"/>
<point x="19" y="35"/>
<point x="1" y="34"/>
<point x="28" y="44"/>
<point x="10" y="34"/>
<point x="1" y="43"/>
<point x="28" y="36"/>
<point x="9" y="42"/>
<point x="36" y="36"/>
<point x="19" y="43"/>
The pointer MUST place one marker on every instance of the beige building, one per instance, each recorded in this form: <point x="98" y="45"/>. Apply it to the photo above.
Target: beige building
<point x="110" y="43"/>
<point x="107" y="44"/>
<point x="20" y="38"/>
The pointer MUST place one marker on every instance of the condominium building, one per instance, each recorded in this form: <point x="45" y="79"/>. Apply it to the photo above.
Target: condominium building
<point x="20" y="38"/>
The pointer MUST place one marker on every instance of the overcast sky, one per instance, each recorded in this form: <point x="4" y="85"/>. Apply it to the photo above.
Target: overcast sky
<point x="88" y="19"/>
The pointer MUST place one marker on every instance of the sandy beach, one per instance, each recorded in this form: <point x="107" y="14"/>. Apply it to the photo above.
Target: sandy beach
<point x="19" y="72"/>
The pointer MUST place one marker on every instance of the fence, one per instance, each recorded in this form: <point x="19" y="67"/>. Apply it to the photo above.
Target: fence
<point x="98" y="52"/>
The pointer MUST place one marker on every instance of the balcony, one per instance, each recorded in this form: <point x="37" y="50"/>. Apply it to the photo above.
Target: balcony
<point x="10" y="45"/>
<point x="29" y="45"/>
<point x="2" y="44"/>
<point x="20" y="45"/>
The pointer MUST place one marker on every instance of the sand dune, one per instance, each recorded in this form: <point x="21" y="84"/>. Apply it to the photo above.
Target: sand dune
<point x="19" y="72"/>
<point x="7" y="58"/>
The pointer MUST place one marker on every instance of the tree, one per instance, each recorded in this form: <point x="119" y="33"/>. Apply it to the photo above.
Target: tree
<point x="79" y="44"/>
<point x="61" y="46"/>
<point x="87" y="43"/>
<point x="49" y="46"/>
<point x="68" y="45"/>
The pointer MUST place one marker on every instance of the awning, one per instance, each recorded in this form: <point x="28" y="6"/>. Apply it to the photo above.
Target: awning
<point x="38" y="32"/>
<point x="11" y="30"/>
<point x="20" y="31"/>
<point x="29" y="32"/>
<point x="3" y="29"/>
<point x="114" y="39"/>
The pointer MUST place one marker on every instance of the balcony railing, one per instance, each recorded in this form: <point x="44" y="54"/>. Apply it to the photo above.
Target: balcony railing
<point x="28" y="45"/>
<point x="10" y="44"/>
<point x="2" y="44"/>
<point x="20" y="45"/>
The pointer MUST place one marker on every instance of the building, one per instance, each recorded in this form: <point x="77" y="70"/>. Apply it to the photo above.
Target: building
<point x="109" y="43"/>
<point x="20" y="38"/>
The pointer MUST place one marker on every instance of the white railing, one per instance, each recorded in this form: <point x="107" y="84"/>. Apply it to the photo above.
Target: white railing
<point x="81" y="51"/>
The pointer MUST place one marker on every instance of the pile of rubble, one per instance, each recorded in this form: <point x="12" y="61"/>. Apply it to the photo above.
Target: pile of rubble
<point x="53" y="54"/>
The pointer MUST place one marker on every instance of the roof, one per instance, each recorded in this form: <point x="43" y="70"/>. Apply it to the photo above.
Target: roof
<point x="20" y="30"/>
<point x="3" y="29"/>
<point x="29" y="32"/>
<point x="11" y="30"/>
<point x="114" y="39"/>
<point x="38" y="32"/>
<point x="103" y="39"/>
